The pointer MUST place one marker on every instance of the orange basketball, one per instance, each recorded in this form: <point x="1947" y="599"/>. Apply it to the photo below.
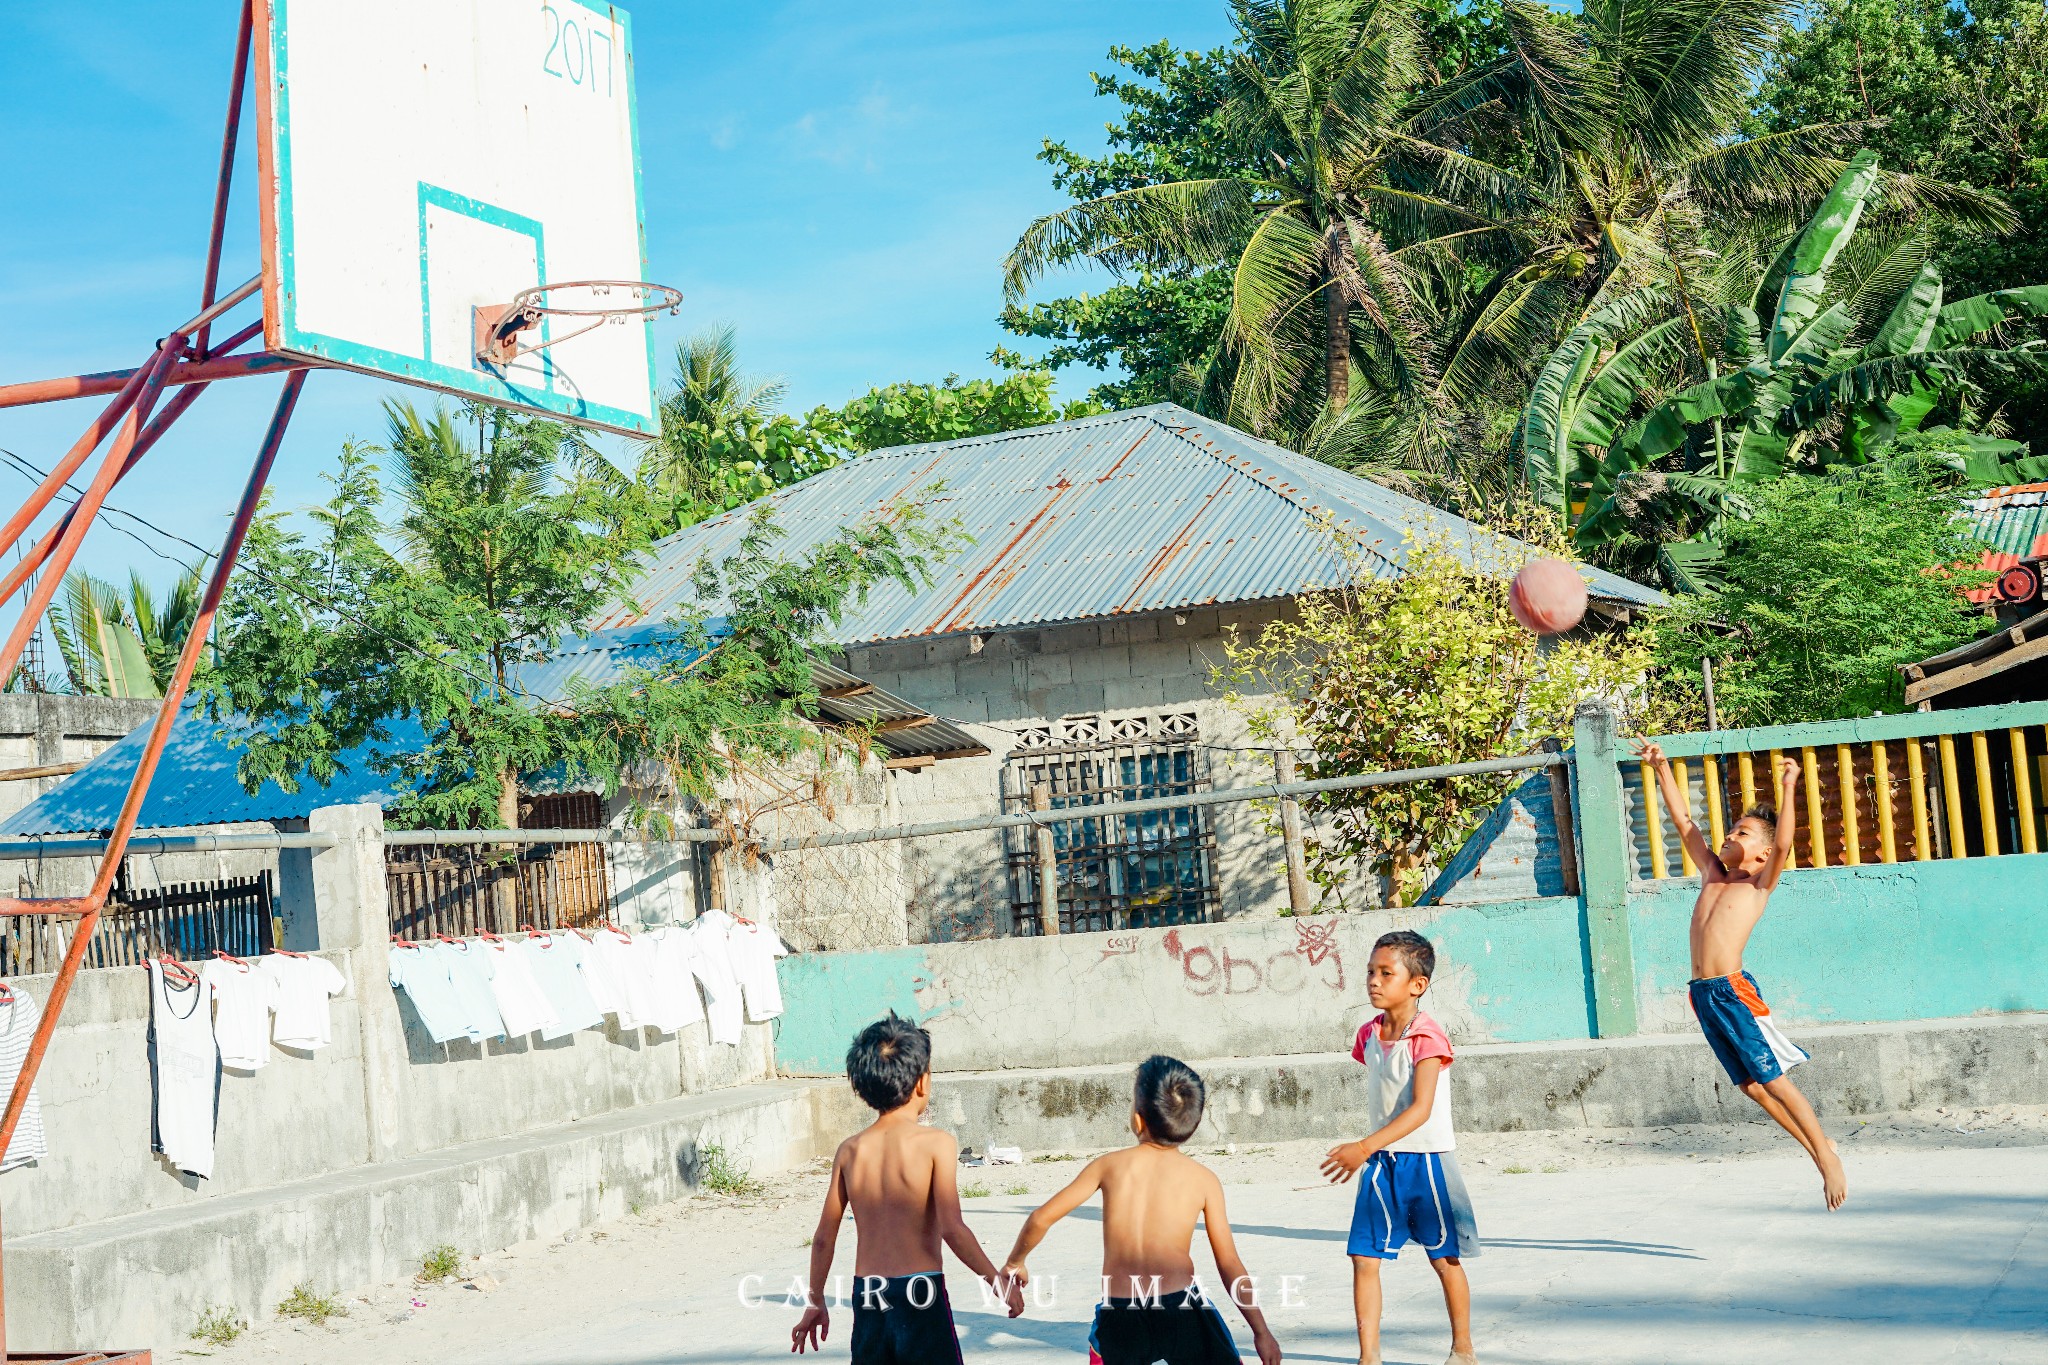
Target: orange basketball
<point x="1548" y="596"/>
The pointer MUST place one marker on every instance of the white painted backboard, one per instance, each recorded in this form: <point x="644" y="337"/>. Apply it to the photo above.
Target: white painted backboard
<point x="423" y="157"/>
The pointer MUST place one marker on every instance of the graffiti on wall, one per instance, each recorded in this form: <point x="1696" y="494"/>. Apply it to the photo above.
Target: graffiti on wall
<point x="1314" y="962"/>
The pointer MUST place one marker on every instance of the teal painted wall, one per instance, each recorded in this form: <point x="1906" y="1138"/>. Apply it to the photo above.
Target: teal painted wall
<point x="1875" y="943"/>
<point x="829" y="997"/>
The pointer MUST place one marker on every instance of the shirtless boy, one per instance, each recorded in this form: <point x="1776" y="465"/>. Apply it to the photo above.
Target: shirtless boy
<point x="1734" y="885"/>
<point x="1152" y="1194"/>
<point x="899" y="1178"/>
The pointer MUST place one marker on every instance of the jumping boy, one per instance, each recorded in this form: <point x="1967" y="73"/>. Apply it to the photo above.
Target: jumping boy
<point x="1734" y="886"/>
<point x="899" y="1178"/>
<point x="1152" y="1193"/>
<point x="1412" y="1188"/>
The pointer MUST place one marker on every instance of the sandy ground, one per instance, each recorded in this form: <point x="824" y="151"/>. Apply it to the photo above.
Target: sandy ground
<point x="1672" y="1244"/>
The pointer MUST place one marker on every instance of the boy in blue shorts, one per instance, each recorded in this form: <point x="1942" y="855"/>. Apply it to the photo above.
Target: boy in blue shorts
<point x="1735" y="884"/>
<point x="1411" y="1188"/>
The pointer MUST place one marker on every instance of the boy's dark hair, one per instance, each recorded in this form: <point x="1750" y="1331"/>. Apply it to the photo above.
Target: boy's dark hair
<point x="1415" y="951"/>
<point x="1169" y="1097"/>
<point x="1764" y="811"/>
<point x="887" y="1060"/>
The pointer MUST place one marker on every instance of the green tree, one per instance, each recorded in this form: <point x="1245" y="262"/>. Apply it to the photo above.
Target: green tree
<point x="490" y="558"/>
<point x="1830" y="585"/>
<point x="1411" y="671"/>
<point x="1628" y="435"/>
<point x="951" y="410"/>
<point x="116" y="646"/>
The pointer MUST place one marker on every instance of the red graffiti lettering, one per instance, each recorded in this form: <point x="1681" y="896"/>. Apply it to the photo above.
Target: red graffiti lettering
<point x="1171" y="943"/>
<point x="1314" y="941"/>
<point x="1119" y="947"/>
<point x="1204" y="982"/>
<point x="1231" y="965"/>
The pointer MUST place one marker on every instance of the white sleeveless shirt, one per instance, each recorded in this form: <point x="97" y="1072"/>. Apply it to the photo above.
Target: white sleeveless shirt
<point x="1390" y="1081"/>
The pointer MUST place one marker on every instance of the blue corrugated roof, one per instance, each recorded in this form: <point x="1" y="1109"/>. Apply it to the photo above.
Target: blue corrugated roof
<point x="1150" y="509"/>
<point x="195" y="783"/>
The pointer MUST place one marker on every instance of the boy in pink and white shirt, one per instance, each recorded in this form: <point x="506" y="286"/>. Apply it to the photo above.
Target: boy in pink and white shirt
<point x="1412" y="1188"/>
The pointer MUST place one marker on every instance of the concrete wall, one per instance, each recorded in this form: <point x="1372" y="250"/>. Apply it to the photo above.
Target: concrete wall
<point x="1905" y="941"/>
<point x="382" y="1092"/>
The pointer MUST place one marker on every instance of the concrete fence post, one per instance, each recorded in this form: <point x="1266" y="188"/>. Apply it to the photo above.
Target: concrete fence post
<point x="1298" y="899"/>
<point x="334" y="898"/>
<point x="1604" y="868"/>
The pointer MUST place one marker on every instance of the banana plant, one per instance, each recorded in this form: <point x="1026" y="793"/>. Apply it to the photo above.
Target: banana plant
<point x="1717" y="396"/>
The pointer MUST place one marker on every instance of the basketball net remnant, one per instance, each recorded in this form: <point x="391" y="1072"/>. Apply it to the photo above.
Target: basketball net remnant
<point x="481" y="252"/>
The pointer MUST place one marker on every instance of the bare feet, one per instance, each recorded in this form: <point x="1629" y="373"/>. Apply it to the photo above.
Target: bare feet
<point x="1462" y="1358"/>
<point x="1834" y="1181"/>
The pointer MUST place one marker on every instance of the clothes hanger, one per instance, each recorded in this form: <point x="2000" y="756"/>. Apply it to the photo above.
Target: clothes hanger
<point x="547" y="940"/>
<point x="6" y="994"/>
<point x="491" y="938"/>
<point x="230" y="957"/>
<point x="177" y="970"/>
<point x="398" y="942"/>
<point x="286" y="952"/>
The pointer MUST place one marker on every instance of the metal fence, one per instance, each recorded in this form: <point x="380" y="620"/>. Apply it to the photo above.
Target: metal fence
<point x="189" y="920"/>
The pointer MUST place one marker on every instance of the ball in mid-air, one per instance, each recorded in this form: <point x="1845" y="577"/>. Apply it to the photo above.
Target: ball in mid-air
<point x="1548" y="596"/>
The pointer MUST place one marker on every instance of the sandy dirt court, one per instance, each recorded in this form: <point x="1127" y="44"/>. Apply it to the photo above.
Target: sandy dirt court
<point x="1672" y="1244"/>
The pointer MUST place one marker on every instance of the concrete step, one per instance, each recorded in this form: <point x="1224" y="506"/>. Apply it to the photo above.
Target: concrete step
<point x="147" y="1277"/>
<point x="1508" y="1087"/>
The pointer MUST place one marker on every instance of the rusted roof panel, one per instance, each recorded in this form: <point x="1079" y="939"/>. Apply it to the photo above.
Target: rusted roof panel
<point x="1151" y="509"/>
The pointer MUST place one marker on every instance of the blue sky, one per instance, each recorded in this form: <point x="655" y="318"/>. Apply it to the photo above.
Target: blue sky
<point x="839" y="181"/>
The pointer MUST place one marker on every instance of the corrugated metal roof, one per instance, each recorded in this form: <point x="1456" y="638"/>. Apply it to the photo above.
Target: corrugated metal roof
<point x="1150" y="509"/>
<point x="196" y="785"/>
<point x="196" y="782"/>
<point x="2014" y="521"/>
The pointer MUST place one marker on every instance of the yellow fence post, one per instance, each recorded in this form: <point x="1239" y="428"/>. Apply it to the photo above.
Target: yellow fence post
<point x="1987" y="810"/>
<point x="1778" y="757"/>
<point x="1816" y="833"/>
<point x="1852" y="831"/>
<point x="1745" y="774"/>
<point x="1952" y="797"/>
<point x="1653" y="824"/>
<point x="1683" y="772"/>
<point x="1716" y="825"/>
<point x="1881" y="771"/>
<point x="2023" y="792"/>
<point x="1916" y="773"/>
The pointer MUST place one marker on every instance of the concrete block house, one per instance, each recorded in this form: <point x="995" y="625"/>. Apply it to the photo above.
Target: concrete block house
<point x="1074" y="636"/>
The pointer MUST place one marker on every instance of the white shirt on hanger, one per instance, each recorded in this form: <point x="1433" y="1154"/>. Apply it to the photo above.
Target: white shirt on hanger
<point x="674" y="972"/>
<point x="302" y="1018"/>
<point x="518" y="995"/>
<point x="624" y="962"/>
<point x="754" y="949"/>
<point x="244" y="995"/>
<point x="555" y="960"/>
<point x="605" y="992"/>
<point x="184" y="1064"/>
<point x="711" y="932"/>
<point x="19" y="1016"/>
<point x="421" y="972"/>
<point x="470" y="970"/>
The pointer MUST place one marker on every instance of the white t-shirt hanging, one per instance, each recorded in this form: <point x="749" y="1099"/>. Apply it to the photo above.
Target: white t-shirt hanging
<point x="753" y="950"/>
<point x="519" y="996"/>
<point x="243" y="997"/>
<point x="470" y="970"/>
<point x="711" y="932"/>
<point x="184" y="1071"/>
<point x="605" y="992"/>
<point x="624" y="963"/>
<point x="422" y="973"/>
<point x="554" y="959"/>
<point x="302" y="1018"/>
<point x="673" y="971"/>
<point x="18" y="1019"/>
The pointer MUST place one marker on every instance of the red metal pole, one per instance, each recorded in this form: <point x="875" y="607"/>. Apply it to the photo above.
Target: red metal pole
<point x="89" y="505"/>
<point x="26" y="566"/>
<point x="138" y="786"/>
<point x="76" y="456"/>
<point x="111" y="381"/>
<point x="227" y="168"/>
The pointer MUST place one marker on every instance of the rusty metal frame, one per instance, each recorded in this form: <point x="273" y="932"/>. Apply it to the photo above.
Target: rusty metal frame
<point x="188" y="360"/>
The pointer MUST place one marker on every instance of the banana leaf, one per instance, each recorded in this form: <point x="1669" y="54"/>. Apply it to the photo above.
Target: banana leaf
<point x="1825" y="234"/>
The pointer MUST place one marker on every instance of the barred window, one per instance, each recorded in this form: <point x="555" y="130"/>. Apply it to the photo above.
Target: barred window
<point x="1119" y="871"/>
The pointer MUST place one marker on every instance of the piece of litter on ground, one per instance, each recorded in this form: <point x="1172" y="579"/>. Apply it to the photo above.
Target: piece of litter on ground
<point x="1005" y="1156"/>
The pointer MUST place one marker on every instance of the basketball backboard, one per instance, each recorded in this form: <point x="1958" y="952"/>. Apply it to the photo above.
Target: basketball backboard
<point x="422" y="159"/>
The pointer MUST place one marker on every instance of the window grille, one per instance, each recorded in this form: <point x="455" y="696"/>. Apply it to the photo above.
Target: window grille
<point x="1117" y="871"/>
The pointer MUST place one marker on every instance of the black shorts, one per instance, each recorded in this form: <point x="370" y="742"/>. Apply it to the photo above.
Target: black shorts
<point x="907" y="1320"/>
<point x="1180" y="1328"/>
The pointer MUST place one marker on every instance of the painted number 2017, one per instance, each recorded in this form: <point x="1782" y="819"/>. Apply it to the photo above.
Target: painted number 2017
<point x="572" y="52"/>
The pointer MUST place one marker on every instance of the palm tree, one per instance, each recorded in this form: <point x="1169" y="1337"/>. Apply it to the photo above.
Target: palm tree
<point x="116" y="646"/>
<point x="1825" y="360"/>
<point x="707" y="394"/>
<point x="1357" y="202"/>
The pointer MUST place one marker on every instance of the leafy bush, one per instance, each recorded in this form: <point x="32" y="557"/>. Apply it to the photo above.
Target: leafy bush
<point x="442" y="1263"/>
<point x="217" y="1326"/>
<point x="307" y="1306"/>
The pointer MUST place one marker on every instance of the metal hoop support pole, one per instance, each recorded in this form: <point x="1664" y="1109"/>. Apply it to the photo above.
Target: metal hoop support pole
<point x="88" y="907"/>
<point x="130" y="385"/>
<point x="225" y="184"/>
